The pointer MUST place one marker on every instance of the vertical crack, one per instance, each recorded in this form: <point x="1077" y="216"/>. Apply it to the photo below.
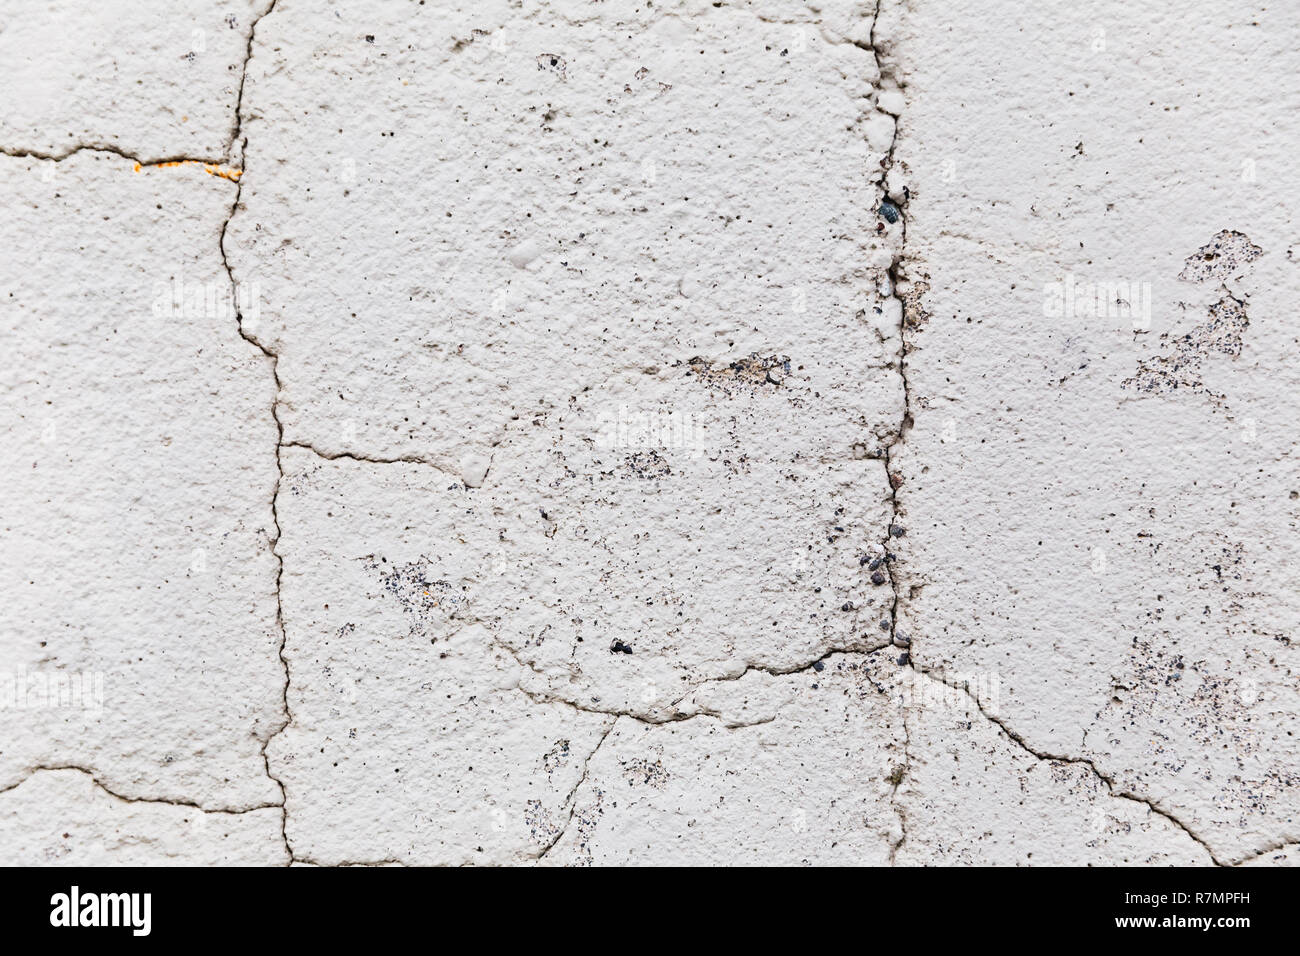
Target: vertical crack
<point x="894" y="275"/>
<point x="237" y="136"/>
<point x="895" y="480"/>
<point x="896" y="779"/>
<point x="237" y="123"/>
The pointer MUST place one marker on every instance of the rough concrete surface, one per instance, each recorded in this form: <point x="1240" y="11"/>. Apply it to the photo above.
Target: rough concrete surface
<point x="623" y="433"/>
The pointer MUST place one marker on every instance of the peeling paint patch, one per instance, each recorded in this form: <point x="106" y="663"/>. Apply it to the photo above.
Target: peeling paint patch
<point x="642" y="771"/>
<point x="1181" y="368"/>
<point x="1221" y="257"/>
<point x="428" y="601"/>
<point x="542" y="828"/>
<point x="648" y="464"/>
<point x="754" y="371"/>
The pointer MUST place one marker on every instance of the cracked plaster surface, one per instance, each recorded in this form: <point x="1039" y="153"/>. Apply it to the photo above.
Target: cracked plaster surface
<point x="603" y="435"/>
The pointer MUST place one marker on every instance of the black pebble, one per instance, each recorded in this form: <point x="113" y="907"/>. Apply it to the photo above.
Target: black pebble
<point x="889" y="211"/>
<point x="878" y="578"/>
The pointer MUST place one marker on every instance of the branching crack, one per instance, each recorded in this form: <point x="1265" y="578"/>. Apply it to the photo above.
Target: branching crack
<point x="235" y="156"/>
<point x="227" y="158"/>
<point x="673" y="713"/>
<point x="1112" y="786"/>
<point x="273" y="360"/>
<point x="370" y="459"/>
<point x="43" y="768"/>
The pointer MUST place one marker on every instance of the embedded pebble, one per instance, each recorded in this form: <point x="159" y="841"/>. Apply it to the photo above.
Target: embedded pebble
<point x="474" y="469"/>
<point x="891" y="101"/>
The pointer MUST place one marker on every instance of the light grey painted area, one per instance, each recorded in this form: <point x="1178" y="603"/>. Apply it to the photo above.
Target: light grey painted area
<point x="603" y="434"/>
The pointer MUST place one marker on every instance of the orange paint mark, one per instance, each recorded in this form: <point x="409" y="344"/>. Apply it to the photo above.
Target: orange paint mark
<point x="210" y="168"/>
<point x="231" y="174"/>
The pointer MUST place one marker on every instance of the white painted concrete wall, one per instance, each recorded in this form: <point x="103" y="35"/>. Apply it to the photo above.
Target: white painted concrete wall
<point x="602" y="434"/>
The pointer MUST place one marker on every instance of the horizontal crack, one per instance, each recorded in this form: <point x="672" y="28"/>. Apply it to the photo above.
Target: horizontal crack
<point x="1273" y="849"/>
<point x="47" y="768"/>
<point x="372" y="459"/>
<point x="311" y="861"/>
<point x="139" y="161"/>
<point x="674" y="715"/>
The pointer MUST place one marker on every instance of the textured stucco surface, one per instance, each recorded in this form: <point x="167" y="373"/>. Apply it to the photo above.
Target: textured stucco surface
<point x="607" y="434"/>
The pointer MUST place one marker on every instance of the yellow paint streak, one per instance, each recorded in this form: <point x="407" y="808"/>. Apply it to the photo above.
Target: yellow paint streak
<point x="210" y="168"/>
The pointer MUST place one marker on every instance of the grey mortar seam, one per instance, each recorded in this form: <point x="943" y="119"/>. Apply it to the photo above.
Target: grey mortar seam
<point x="898" y="436"/>
<point x="905" y="419"/>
